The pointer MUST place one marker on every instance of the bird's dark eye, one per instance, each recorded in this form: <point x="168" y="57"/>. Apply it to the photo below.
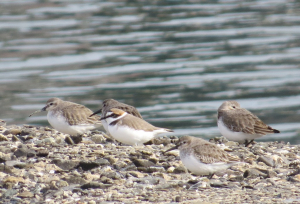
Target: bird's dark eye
<point x="233" y="106"/>
<point x="51" y="104"/>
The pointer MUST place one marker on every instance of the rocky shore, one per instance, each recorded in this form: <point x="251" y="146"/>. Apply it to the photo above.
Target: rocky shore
<point x="41" y="165"/>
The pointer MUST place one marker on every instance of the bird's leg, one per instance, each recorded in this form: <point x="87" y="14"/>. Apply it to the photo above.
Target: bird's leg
<point x="210" y="176"/>
<point x="248" y="143"/>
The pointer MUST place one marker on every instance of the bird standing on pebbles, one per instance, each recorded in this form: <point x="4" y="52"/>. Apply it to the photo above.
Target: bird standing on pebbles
<point x="240" y="125"/>
<point x="130" y="129"/>
<point x="70" y="118"/>
<point x="202" y="157"/>
<point x="108" y="104"/>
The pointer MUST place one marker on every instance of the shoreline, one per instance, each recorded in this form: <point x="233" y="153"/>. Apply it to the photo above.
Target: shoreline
<point x="38" y="166"/>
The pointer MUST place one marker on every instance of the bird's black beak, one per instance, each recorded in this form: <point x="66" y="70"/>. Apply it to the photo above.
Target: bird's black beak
<point x="38" y="111"/>
<point x="98" y="111"/>
<point x="44" y="109"/>
<point x="172" y="148"/>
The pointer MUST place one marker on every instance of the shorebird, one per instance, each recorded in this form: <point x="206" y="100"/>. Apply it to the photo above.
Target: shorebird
<point x="111" y="103"/>
<point x="130" y="129"/>
<point x="202" y="157"/>
<point x="240" y="125"/>
<point x="70" y="118"/>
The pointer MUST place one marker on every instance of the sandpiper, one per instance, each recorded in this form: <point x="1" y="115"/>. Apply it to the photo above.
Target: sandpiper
<point x="70" y="118"/>
<point x="240" y="125"/>
<point x="111" y="103"/>
<point x="202" y="157"/>
<point x="130" y="129"/>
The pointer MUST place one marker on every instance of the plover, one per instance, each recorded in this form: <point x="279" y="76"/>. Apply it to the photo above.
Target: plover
<point x="240" y="125"/>
<point x="202" y="157"/>
<point x="70" y="118"/>
<point x="129" y="129"/>
<point x="111" y="103"/>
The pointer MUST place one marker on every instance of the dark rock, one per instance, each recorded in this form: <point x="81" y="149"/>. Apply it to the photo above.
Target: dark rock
<point x="42" y="153"/>
<point x="254" y="173"/>
<point x="65" y="164"/>
<point x="267" y="160"/>
<point x="179" y="170"/>
<point x="69" y="140"/>
<point x="178" y="199"/>
<point x="95" y="185"/>
<point x="76" y="139"/>
<point x="142" y="163"/>
<point x="88" y="165"/>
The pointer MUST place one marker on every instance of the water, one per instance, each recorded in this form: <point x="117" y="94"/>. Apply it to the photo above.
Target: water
<point x="176" y="61"/>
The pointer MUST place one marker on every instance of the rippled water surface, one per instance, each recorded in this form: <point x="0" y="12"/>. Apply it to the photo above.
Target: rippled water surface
<point x="176" y="61"/>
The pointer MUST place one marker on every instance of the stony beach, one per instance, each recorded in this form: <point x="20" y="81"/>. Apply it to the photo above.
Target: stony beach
<point x="41" y="165"/>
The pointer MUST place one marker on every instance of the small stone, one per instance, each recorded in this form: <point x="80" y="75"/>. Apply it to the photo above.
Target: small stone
<point x="65" y="164"/>
<point x="268" y="161"/>
<point x="69" y="140"/>
<point x="253" y="173"/>
<point x="98" y="139"/>
<point x="12" y="131"/>
<point x="179" y="170"/>
<point x="178" y="199"/>
<point x="76" y="180"/>
<point x="142" y="163"/>
<point x="88" y="165"/>
<point x="102" y="162"/>
<point x="271" y="174"/>
<point x="25" y="194"/>
<point x="3" y="138"/>
<point x="42" y="153"/>
<point x="76" y="139"/>
<point x="136" y="174"/>
<point x="23" y="151"/>
<point x="95" y="185"/>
